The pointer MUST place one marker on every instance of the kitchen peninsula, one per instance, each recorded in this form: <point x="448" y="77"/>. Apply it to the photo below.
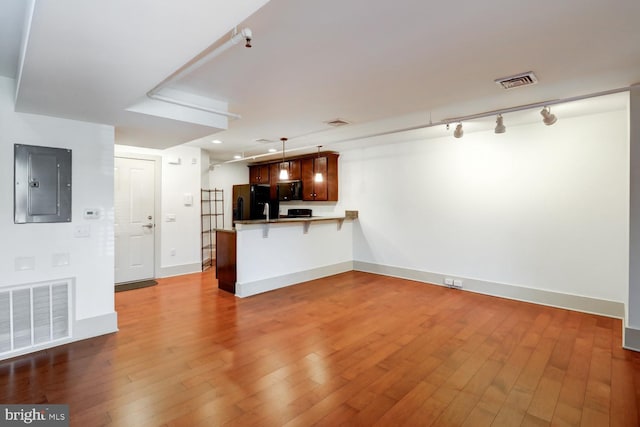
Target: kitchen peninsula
<point x="263" y="255"/>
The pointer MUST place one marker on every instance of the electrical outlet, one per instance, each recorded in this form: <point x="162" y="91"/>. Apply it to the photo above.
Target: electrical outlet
<point x="81" y="231"/>
<point x="457" y="284"/>
<point x="448" y="281"/>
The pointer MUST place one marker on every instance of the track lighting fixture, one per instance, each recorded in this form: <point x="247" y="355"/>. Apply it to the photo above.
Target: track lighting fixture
<point x="548" y="118"/>
<point x="284" y="172"/>
<point x="458" y="132"/>
<point x="500" y="127"/>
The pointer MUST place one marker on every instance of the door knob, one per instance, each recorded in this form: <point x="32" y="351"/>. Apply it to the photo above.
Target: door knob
<point x="148" y="225"/>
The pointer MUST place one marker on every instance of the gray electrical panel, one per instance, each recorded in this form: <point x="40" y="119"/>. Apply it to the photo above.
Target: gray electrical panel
<point x="42" y="191"/>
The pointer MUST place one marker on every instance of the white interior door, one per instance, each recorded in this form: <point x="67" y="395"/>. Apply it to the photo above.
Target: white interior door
<point x="134" y="219"/>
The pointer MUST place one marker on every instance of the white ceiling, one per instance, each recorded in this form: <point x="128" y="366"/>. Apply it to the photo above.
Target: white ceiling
<point x="383" y="65"/>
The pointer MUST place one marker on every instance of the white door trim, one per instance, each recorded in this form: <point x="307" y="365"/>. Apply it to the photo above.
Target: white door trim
<point x="157" y="166"/>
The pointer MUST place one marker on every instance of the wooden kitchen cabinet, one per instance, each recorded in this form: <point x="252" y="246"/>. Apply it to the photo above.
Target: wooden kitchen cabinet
<point x="294" y="170"/>
<point x="274" y="168"/>
<point x="259" y="174"/>
<point x="293" y="166"/>
<point x="226" y="265"/>
<point x="327" y="190"/>
<point x="302" y="168"/>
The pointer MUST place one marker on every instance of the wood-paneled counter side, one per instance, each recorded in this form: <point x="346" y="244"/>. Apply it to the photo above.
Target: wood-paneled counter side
<point x="302" y="168"/>
<point x="226" y="260"/>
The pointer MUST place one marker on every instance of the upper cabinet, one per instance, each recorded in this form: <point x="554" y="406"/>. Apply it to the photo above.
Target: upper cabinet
<point x="259" y="174"/>
<point x="325" y="190"/>
<point x="293" y="167"/>
<point x="302" y="168"/>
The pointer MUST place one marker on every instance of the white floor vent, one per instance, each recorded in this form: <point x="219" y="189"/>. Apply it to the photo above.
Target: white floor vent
<point x="34" y="315"/>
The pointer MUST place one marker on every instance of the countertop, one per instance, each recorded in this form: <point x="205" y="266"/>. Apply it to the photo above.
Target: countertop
<point x="288" y="219"/>
<point x="350" y="215"/>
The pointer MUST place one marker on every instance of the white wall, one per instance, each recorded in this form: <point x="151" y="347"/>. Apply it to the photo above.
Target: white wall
<point x="225" y="176"/>
<point x="538" y="207"/>
<point x="182" y="236"/>
<point x="632" y="331"/>
<point x="90" y="258"/>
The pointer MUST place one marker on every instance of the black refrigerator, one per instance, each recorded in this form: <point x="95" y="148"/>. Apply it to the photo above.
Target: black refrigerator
<point x="249" y="200"/>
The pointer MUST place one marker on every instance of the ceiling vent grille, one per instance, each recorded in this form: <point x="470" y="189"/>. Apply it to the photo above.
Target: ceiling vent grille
<point x="337" y="122"/>
<point x="263" y="141"/>
<point x="519" y="80"/>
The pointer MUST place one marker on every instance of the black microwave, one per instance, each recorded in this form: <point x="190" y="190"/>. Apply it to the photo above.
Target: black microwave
<point x="289" y="190"/>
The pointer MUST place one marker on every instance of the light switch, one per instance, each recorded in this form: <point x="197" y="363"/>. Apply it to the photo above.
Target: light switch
<point x="187" y="199"/>
<point x="91" y="213"/>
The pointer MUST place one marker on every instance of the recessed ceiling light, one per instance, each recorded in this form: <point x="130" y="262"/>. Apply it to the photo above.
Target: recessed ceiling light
<point x="237" y="157"/>
<point x="216" y="141"/>
<point x="272" y="150"/>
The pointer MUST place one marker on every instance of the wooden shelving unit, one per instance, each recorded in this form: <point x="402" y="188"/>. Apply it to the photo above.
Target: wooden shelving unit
<point x="212" y="217"/>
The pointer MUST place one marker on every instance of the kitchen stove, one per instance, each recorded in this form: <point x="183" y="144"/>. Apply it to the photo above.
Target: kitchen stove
<point x="299" y="213"/>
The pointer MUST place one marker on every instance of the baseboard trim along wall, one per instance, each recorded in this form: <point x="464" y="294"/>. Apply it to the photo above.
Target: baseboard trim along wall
<point x="178" y="270"/>
<point x="631" y="339"/>
<point x="519" y="293"/>
<point x="95" y="326"/>
<point x="259" y="286"/>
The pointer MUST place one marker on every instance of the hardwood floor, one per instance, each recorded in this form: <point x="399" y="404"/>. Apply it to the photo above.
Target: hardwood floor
<point x="352" y="349"/>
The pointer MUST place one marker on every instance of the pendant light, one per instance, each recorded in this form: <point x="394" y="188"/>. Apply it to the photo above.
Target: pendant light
<point x="318" y="176"/>
<point x="284" y="172"/>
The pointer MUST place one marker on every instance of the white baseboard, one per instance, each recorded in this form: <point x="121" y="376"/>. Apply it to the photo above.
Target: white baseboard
<point x="519" y="293"/>
<point x="95" y="326"/>
<point x="631" y="339"/>
<point x="260" y="286"/>
<point x="178" y="270"/>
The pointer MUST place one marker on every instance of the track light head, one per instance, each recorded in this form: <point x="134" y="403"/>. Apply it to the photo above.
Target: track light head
<point x="500" y="127"/>
<point x="458" y="132"/>
<point x="247" y="34"/>
<point x="548" y="118"/>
